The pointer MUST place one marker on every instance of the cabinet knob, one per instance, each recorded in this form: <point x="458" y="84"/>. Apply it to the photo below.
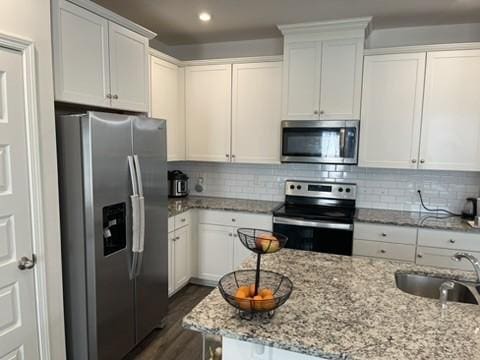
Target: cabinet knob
<point x="384" y="234"/>
<point x="419" y="255"/>
<point x="230" y="234"/>
<point x="233" y="220"/>
<point x="108" y="96"/>
<point x="177" y="238"/>
<point x="183" y="220"/>
<point x="422" y="161"/>
<point x="414" y="161"/>
<point x="383" y="251"/>
<point x="227" y="156"/>
<point x="315" y="112"/>
<point x="452" y="241"/>
<point x="235" y="235"/>
<point x="115" y="97"/>
<point x="233" y="156"/>
<point x="322" y="112"/>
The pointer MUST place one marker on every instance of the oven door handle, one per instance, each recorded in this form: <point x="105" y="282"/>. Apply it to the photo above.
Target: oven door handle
<point x="312" y="223"/>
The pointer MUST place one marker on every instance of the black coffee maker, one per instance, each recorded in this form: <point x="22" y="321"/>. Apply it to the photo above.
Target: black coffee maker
<point x="470" y="209"/>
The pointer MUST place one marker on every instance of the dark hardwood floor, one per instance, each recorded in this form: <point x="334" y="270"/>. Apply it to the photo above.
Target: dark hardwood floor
<point x="173" y="342"/>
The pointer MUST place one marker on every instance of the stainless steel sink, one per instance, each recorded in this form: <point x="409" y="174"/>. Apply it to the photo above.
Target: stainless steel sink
<point x="429" y="287"/>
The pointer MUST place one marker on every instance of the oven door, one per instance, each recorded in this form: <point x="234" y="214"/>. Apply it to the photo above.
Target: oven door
<point x="313" y="235"/>
<point x="332" y="142"/>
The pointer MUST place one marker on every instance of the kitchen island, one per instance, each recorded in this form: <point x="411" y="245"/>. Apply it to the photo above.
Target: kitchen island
<point x="345" y="308"/>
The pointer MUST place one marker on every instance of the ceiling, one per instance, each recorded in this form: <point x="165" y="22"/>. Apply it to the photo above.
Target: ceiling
<point x="176" y="21"/>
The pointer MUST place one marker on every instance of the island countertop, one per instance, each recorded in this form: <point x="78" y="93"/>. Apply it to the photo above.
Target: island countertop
<point x="349" y="308"/>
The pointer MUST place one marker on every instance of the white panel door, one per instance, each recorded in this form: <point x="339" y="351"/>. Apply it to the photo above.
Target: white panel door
<point x="256" y="112"/>
<point x="18" y="328"/>
<point x="301" y="81"/>
<point x="181" y="257"/>
<point x="81" y="57"/>
<point x="215" y="251"/>
<point x="128" y="68"/>
<point x="451" y="114"/>
<point x="208" y="92"/>
<point x="166" y="102"/>
<point x="341" y="79"/>
<point x="392" y="100"/>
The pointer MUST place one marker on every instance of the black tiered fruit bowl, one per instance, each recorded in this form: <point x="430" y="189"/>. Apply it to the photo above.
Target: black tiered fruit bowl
<point x="257" y="291"/>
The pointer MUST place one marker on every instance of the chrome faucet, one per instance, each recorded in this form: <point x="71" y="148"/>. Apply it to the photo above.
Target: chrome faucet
<point x="475" y="262"/>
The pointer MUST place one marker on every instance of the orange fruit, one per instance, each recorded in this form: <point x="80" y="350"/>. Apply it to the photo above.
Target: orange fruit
<point x="265" y="292"/>
<point x="245" y="304"/>
<point x="241" y="293"/>
<point x="245" y="288"/>
<point x="258" y="302"/>
<point x="252" y="290"/>
<point x="268" y="302"/>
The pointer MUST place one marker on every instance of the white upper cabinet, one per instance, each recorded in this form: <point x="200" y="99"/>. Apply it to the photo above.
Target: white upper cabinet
<point x="81" y="57"/>
<point x="208" y="112"/>
<point x="341" y="79"/>
<point x="128" y="69"/>
<point x="96" y="61"/>
<point x="167" y="102"/>
<point x="323" y="70"/>
<point x="391" y="110"/>
<point x="450" y="137"/>
<point x="256" y="112"/>
<point x="301" y="85"/>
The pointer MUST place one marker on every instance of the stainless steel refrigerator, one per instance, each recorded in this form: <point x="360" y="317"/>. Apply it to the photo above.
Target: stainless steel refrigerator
<point x="113" y="197"/>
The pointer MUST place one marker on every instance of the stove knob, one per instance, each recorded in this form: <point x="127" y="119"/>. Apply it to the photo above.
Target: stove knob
<point x="292" y="187"/>
<point x="340" y="189"/>
<point x="299" y="187"/>
<point x="347" y="190"/>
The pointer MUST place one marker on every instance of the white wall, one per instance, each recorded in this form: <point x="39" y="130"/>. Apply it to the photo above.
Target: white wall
<point x="424" y="35"/>
<point x="219" y="50"/>
<point x="377" y="188"/>
<point x="30" y="19"/>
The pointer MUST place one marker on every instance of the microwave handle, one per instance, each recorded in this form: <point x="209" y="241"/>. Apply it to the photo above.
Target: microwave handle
<point x="343" y="139"/>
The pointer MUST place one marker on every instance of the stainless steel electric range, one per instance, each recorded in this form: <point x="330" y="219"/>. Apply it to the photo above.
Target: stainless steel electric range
<point x="317" y="216"/>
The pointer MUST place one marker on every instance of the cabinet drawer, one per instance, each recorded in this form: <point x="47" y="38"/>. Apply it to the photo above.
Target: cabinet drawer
<point x="385" y="233"/>
<point x="171" y="223"/>
<point x="442" y="258"/>
<point x="236" y="219"/>
<point x="384" y="250"/>
<point x="449" y="239"/>
<point x="182" y="219"/>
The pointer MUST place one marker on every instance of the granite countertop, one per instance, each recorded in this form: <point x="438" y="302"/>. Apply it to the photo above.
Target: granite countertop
<point x="417" y="219"/>
<point x="349" y="308"/>
<point x="178" y="205"/>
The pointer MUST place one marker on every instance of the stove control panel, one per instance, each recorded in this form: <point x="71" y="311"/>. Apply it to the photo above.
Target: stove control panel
<point x="327" y="190"/>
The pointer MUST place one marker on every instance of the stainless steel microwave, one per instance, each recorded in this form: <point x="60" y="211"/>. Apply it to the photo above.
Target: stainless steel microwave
<point x="322" y="141"/>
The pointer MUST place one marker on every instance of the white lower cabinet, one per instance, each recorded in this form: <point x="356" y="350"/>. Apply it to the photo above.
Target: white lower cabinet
<point x="385" y="241"/>
<point x="431" y="256"/>
<point x="179" y="255"/>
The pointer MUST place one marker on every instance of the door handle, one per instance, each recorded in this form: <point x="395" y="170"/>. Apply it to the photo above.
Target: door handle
<point x="25" y="263"/>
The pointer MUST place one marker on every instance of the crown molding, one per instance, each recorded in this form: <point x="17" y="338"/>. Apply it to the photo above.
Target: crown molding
<point x="422" y="48"/>
<point x="361" y="24"/>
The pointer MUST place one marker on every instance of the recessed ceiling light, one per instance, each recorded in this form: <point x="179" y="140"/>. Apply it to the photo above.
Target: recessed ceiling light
<point x="204" y="16"/>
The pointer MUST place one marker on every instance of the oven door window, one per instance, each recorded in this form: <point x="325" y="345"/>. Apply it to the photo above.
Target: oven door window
<point x="330" y="241"/>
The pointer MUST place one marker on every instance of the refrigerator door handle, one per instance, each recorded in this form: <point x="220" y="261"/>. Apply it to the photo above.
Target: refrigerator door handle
<point x="141" y="203"/>
<point x="136" y="217"/>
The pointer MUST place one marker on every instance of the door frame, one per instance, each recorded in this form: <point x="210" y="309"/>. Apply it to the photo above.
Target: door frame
<point x="27" y="49"/>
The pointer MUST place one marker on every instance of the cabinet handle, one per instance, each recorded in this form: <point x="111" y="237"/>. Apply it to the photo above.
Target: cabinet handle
<point x="230" y="234"/>
<point x="419" y="255"/>
<point x="384" y="234"/>
<point x="452" y="241"/>
<point x="108" y="96"/>
<point x="115" y="97"/>
<point x="227" y="156"/>
<point x="233" y="156"/>
<point x="422" y="161"/>
<point x="233" y="220"/>
<point x="383" y="251"/>
<point x="414" y="161"/>
<point x="183" y="220"/>
<point x="235" y="235"/>
<point x="177" y="238"/>
<point x="315" y="112"/>
<point x="322" y="112"/>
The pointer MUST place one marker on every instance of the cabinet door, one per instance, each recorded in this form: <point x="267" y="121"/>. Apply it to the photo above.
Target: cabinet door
<point x="81" y="60"/>
<point x="256" y="112"/>
<point x="208" y="112"/>
<point x="171" y="281"/>
<point x="430" y="256"/>
<point x="181" y="263"/>
<point x="391" y="110"/>
<point x="341" y="79"/>
<point x="215" y="251"/>
<point x="384" y="250"/>
<point x="301" y="76"/>
<point x="166" y="86"/>
<point x="128" y="68"/>
<point x="451" y="114"/>
<point x="240" y="252"/>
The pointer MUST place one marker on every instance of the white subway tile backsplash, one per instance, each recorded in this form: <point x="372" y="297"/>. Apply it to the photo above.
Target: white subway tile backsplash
<point x="377" y="188"/>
